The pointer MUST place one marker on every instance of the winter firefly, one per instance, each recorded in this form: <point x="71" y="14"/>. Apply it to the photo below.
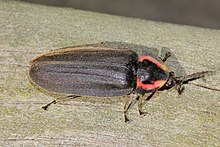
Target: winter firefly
<point x="102" y="71"/>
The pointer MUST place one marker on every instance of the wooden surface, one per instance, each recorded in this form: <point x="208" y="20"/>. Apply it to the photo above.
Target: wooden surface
<point x="28" y="30"/>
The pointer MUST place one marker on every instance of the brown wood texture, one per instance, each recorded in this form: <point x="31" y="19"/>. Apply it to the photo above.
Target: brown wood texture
<point x="27" y="31"/>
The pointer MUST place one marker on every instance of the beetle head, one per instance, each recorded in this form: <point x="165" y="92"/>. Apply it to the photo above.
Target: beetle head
<point x="178" y="82"/>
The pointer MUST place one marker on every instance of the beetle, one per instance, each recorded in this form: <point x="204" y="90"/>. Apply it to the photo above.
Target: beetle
<point x="103" y="71"/>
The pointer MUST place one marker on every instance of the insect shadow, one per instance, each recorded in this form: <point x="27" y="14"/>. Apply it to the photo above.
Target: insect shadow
<point x="172" y="63"/>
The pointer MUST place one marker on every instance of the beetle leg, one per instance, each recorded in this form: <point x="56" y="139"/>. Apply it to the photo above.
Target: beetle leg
<point x="127" y="105"/>
<point x="140" y="106"/>
<point x="167" y="55"/>
<point x="180" y="88"/>
<point x="151" y="95"/>
<point x="46" y="106"/>
<point x="59" y="99"/>
<point x="140" y="102"/>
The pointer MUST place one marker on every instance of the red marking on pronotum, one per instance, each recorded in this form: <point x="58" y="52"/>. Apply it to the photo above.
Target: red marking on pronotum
<point x="162" y="66"/>
<point x="156" y="84"/>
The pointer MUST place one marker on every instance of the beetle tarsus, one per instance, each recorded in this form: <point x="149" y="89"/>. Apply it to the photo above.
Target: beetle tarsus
<point x="126" y="119"/>
<point x="46" y="106"/>
<point x="142" y="113"/>
<point x="180" y="88"/>
<point x="167" y="55"/>
<point x="65" y="98"/>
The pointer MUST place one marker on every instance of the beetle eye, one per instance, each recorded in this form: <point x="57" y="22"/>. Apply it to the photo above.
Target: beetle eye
<point x="171" y="82"/>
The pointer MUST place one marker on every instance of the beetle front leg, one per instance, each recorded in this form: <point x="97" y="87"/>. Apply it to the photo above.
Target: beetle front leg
<point x="167" y="55"/>
<point x="140" y="106"/>
<point x="140" y="102"/>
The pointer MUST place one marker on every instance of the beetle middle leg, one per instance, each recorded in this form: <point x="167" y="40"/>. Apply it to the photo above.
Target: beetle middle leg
<point x="63" y="98"/>
<point x="140" y="102"/>
<point x="128" y="104"/>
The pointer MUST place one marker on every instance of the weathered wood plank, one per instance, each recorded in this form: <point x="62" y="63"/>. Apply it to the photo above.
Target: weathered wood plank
<point x="28" y="30"/>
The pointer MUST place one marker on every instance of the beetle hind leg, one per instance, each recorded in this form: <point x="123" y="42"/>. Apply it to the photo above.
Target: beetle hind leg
<point x="46" y="106"/>
<point x="59" y="99"/>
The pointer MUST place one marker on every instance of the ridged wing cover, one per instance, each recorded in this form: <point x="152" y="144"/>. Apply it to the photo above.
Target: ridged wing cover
<point x="91" y="72"/>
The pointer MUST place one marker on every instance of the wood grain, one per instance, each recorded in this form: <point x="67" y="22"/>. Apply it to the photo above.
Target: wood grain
<point x="28" y="30"/>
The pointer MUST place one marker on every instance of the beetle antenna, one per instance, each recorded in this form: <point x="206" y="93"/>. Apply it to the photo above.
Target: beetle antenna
<point x="194" y="76"/>
<point x="215" y="89"/>
<point x="186" y="79"/>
